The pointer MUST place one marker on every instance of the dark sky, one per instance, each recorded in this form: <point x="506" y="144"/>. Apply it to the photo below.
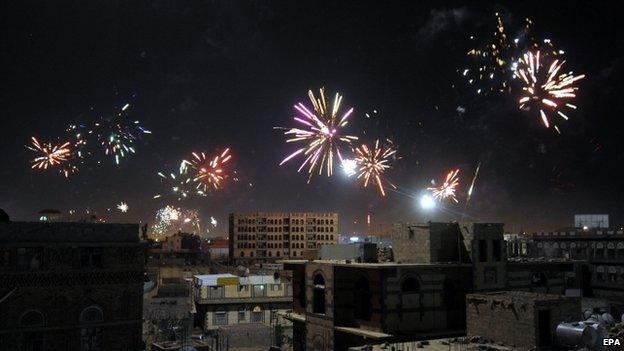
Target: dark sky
<point x="203" y="75"/>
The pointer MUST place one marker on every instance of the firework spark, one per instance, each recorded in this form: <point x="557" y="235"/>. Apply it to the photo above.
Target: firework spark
<point x="492" y="63"/>
<point x="179" y="184"/>
<point x="51" y="155"/>
<point x="210" y="172"/>
<point x="448" y="187"/>
<point x="321" y="133"/>
<point x="548" y="90"/>
<point x="123" y="207"/>
<point x="372" y="163"/>
<point x="170" y="219"/>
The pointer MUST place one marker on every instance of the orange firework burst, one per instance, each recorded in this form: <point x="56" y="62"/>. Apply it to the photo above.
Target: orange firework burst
<point x="51" y="155"/>
<point x="321" y="131"/>
<point x="548" y="90"/>
<point x="209" y="172"/>
<point x="371" y="163"/>
<point x="448" y="187"/>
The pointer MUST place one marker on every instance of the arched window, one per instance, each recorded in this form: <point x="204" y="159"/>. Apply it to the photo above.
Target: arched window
<point x="318" y="297"/>
<point x="31" y="318"/>
<point x="91" y="314"/>
<point x="362" y="299"/>
<point x="242" y="254"/>
<point x="410" y="285"/>
<point x="91" y="336"/>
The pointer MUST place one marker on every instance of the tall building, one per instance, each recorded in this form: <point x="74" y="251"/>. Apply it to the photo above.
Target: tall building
<point x="267" y="236"/>
<point x="70" y="286"/>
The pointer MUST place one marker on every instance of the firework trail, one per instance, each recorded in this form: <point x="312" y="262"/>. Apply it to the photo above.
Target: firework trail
<point x="210" y="172"/>
<point x="448" y="187"/>
<point x="51" y="155"/>
<point x="474" y="179"/>
<point x="320" y="132"/>
<point x="372" y="163"/>
<point x="549" y="90"/>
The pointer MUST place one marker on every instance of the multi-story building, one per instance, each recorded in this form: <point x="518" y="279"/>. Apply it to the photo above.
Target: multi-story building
<point x="70" y="286"/>
<point x="602" y="249"/>
<point x="338" y="304"/>
<point x="267" y="236"/>
<point x="227" y="299"/>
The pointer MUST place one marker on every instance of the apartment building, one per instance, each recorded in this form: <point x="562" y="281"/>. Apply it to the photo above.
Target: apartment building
<point x="268" y="236"/>
<point x="227" y="299"/>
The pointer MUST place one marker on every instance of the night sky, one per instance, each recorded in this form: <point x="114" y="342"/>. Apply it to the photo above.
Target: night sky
<point x="203" y="75"/>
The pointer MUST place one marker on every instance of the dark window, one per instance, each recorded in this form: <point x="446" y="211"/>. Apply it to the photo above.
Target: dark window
<point x="538" y="279"/>
<point x="362" y="299"/>
<point x="482" y="250"/>
<point x="91" y="257"/>
<point x="411" y="233"/>
<point x="318" y="303"/>
<point x="91" y="337"/>
<point x="449" y="295"/>
<point x="496" y="250"/>
<point x="31" y="319"/>
<point x="410" y="285"/>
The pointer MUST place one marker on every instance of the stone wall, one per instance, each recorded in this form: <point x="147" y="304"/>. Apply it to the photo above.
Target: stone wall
<point x="512" y="318"/>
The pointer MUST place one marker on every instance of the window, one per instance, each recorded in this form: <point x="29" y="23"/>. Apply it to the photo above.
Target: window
<point x="91" y="337"/>
<point x="496" y="250"/>
<point x="362" y="299"/>
<point x="31" y="318"/>
<point x="242" y="315"/>
<point x="276" y="287"/>
<point x="410" y="286"/>
<point x="242" y="254"/>
<point x="256" y="315"/>
<point x="318" y="297"/>
<point x="91" y="257"/>
<point x="482" y="250"/>
<point x="220" y="317"/>
<point x="538" y="279"/>
<point x="411" y="233"/>
<point x="258" y="291"/>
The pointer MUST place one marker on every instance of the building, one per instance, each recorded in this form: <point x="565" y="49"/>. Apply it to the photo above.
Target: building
<point x="227" y="299"/>
<point x="337" y="305"/>
<point x="267" y="236"/>
<point x="217" y="248"/>
<point x="523" y="320"/>
<point x="591" y="221"/>
<point x="602" y="249"/>
<point x="70" y="286"/>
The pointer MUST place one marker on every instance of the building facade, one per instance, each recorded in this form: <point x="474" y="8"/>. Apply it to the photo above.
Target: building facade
<point x="227" y="299"/>
<point x="70" y="286"/>
<point x="602" y="249"/>
<point x="269" y="236"/>
<point x="337" y="305"/>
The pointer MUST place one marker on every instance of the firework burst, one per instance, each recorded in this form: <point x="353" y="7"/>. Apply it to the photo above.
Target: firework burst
<point x="210" y="172"/>
<point x="123" y="207"/>
<point x="179" y="184"/>
<point x="320" y="131"/>
<point x="372" y="163"/>
<point x="51" y="155"/>
<point x="492" y="64"/>
<point x="448" y="187"/>
<point x="170" y="219"/>
<point x="549" y="90"/>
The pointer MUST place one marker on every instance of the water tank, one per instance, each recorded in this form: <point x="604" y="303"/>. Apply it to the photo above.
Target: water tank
<point x="575" y="334"/>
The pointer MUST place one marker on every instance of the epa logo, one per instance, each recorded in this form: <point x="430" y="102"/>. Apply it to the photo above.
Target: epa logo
<point x="611" y="342"/>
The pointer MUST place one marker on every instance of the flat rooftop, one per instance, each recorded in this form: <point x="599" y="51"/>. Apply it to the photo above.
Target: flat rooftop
<point x="67" y="232"/>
